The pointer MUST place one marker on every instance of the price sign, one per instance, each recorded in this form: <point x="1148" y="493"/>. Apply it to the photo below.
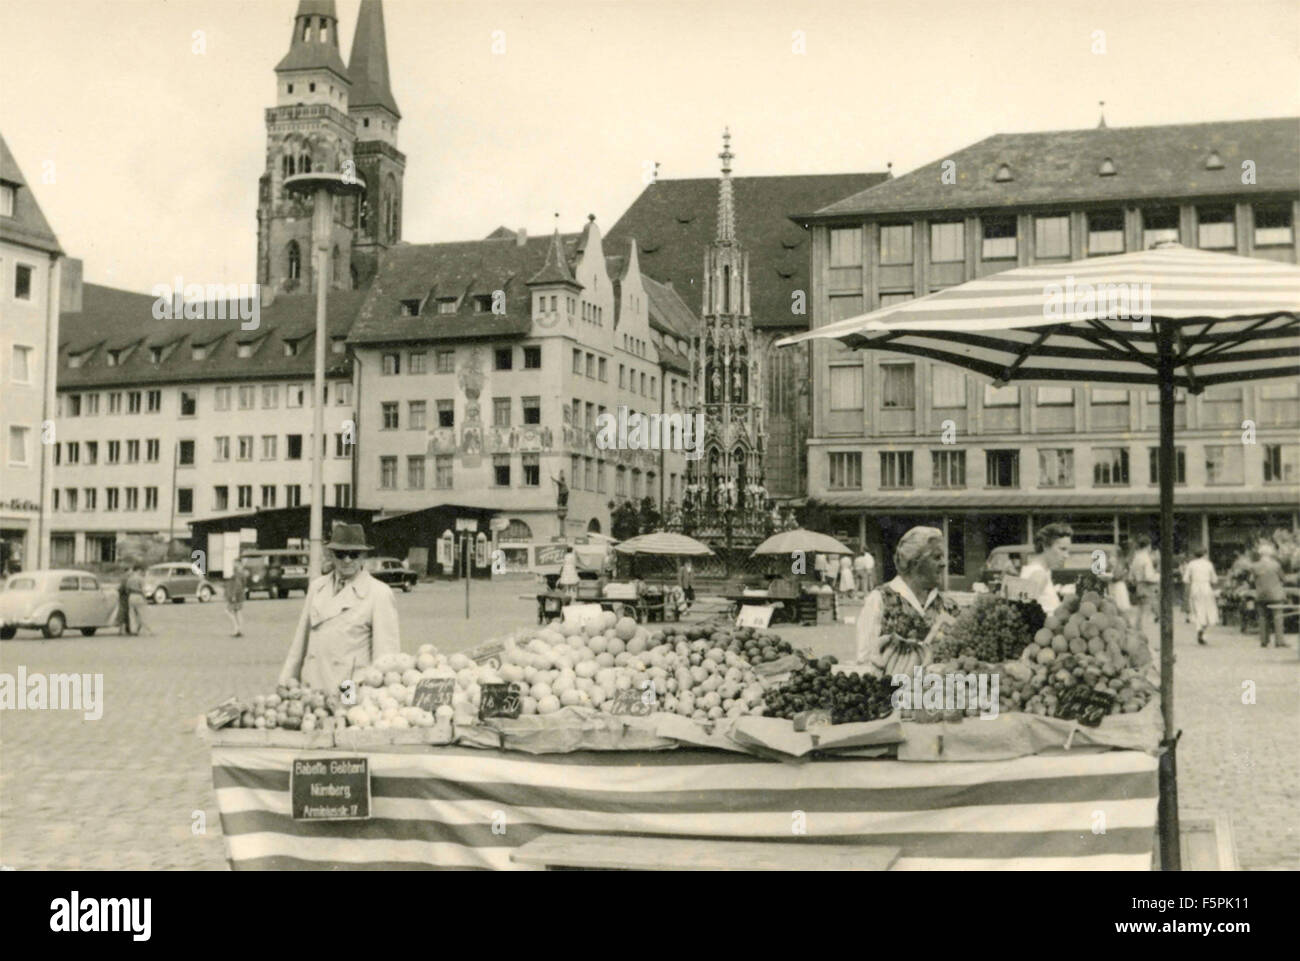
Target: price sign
<point x="632" y="701"/>
<point x="433" y="692"/>
<point x="581" y="615"/>
<point x="489" y="653"/>
<point x="1085" y="704"/>
<point x="1018" y="589"/>
<point x="330" y="789"/>
<point x="224" y="713"/>
<point x="754" y="615"/>
<point x="500" y="700"/>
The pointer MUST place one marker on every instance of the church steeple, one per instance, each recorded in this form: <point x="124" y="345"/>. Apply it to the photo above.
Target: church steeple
<point x="368" y="64"/>
<point x="315" y="41"/>
<point x="726" y="203"/>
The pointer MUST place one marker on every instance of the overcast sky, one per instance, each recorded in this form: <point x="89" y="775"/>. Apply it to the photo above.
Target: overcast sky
<point x="155" y="150"/>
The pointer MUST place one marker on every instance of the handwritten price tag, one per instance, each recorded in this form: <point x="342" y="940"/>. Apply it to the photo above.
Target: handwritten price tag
<point x="500" y="700"/>
<point x="631" y="701"/>
<point x="433" y="692"/>
<point x="1084" y="704"/>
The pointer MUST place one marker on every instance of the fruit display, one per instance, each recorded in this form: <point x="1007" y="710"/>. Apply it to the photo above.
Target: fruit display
<point x="992" y="629"/>
<point x="899" y="655"/>
<point x="848" y="697"/>
<point x="292" y="708"/>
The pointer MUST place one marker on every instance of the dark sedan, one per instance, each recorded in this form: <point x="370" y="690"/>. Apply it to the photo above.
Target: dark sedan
<point x="392" y="572"/>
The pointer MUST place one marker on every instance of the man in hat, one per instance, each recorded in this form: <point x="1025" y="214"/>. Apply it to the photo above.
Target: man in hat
<point x="348" y="620"/>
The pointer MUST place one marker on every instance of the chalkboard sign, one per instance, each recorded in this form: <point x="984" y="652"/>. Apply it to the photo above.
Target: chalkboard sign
<point x="1084" y="704"/>
<point x="433" y="692"/>
<point x="632" y="701"/>
<point x="224" y="713"/>
<point x="754" y="615"/>
<point x="330" y="788"/>
<point x="499" y="700"/>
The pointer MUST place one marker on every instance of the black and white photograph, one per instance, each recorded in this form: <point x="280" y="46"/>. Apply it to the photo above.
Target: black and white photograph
<point x="650" y="436"/>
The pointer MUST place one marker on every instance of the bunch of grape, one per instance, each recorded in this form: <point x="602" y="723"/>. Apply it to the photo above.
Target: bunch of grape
<point x="848" y="697"/>
<point x="992" y="629"/>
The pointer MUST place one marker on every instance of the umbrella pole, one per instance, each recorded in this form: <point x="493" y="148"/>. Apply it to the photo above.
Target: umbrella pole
<point x="1170" y="852"/>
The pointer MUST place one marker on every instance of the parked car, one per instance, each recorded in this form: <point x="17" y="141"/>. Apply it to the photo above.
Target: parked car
<point x="1010" y="558"/>
<point x="174" y="582"/>
<point x="276" y="572"/>
<point x="54" y="600"/>
<point x="392" y="572"/>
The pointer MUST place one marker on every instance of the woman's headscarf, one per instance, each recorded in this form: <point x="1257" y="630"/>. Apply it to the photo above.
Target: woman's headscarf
<point x="912" y="545"/>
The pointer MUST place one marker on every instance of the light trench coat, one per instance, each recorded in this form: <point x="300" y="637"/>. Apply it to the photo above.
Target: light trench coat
<point x="339" y="633"/>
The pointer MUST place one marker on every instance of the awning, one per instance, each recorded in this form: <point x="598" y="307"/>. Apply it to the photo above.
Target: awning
<point x="1282" y="497"/>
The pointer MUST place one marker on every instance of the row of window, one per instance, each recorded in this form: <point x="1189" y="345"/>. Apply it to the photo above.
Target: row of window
<point x="71" y="499"/>
<point x="244" y="397"/>
<point x="417" y="413"/>
<point x="1110" y="467"/>
<point x="590" y="365"/>
<point x="585" y="473"/>
<point x="417" y="361"/>
<point x="627" y="380"/>
<point x="948" y="389"/>
<point x="1215" y="230"/>
<point x="540" y="306"/>
<point x="244" y="349"/>
<point x="71" y="452"/>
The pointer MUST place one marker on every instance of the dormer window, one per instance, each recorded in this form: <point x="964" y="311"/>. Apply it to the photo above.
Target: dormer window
<point x="365" y="121"/>
<point x="155" y="355"/>
<point x="74" y="360"/>
<point x="290" y="348"/>
<point x="446" y="305"/>
<point x="1003" y="174"/>
<point x="410" y="308"/>
<point x="338" y="344"/>
<point x="1107" y="168"/>
<point x="114" y="357"/>
<point x="482" y="303"/>
<point x="244" y="350"/>
<point x="198" y="352"/>
<point x="1214" y="161"/>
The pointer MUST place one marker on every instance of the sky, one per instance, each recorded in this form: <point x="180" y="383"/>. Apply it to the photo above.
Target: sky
<point x="145" y="152"/>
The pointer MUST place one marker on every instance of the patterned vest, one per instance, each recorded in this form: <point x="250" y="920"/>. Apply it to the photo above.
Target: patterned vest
<point x="901" y="618"/>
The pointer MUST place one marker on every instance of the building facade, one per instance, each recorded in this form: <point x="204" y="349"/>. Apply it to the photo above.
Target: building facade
<point x="899" y="441"/>
<point x="30" y="271"/>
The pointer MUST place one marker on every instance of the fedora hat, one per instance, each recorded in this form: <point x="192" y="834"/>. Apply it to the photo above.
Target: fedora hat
<point x="347" y="537"/>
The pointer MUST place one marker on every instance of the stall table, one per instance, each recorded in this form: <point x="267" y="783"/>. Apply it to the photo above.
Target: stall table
<point x="457" y="807"/>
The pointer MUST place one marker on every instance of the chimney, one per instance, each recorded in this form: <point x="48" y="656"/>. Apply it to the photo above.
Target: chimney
<point x="521" y="237"/>
<point x="70" y="286"/>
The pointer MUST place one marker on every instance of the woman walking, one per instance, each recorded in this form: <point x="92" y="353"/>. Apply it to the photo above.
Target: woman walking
<point x="135" y="586"/>
<point x="124" y="602"/>
<point x="234" y="588"/>
<point x="1202" y="607"/>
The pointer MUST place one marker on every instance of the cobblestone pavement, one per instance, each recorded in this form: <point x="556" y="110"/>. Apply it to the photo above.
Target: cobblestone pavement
<point x="128" y="791"/>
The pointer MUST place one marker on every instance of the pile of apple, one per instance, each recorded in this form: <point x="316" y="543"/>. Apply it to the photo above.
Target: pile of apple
<point x="292" y="707"/>
<point x="384" y="692"/>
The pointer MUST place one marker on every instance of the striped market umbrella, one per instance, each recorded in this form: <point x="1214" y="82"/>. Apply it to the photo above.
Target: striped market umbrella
<point x="800" y="539"/>
<point x="1168" y="317"/>
<point x="666" y="544"/>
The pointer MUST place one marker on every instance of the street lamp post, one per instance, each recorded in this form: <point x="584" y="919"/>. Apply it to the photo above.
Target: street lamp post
<point x="322" y="187"/>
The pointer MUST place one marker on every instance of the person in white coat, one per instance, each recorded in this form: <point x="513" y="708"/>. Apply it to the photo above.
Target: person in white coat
<point x="1202" y="607"/>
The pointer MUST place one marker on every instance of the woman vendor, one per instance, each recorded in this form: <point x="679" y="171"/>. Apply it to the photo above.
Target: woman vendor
<point x="1051" y="550"/>
<point x="896" y="607"/>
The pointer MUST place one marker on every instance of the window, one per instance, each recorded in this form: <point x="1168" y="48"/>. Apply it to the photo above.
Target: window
<point x="185" y="453"/>
<point x="895" y="244"/>
<point x="1109" y="395"/>
<point x="268" y="495"/>
<point x="446" y="413"/>
<point x="503" y="358"/>
<point x="155" y="402"/>
<point x="1105" y="232"/>
<point x="152" y="450"/>
<point x="622" y="372"/>
<point x="501" y="470"/>
<point x="532" y="471"/>
<point x="22" y="282"/>
<point x="896" y="468"/>
<point x="1002" y="468"/>
<point x="1110" y="467"/>
<point x="292" y="495"/>
<point x="532" y="410"/>
<point x="293" y="446"/>
<point x="112" y="498"/>
<point x="343" y="393"/>
<point x="247" y="397"/>
<point x="442" y="471"/>
<point x="115" y="402"/>
<point x="388" y="473"/>
<point x="220" y="498"/>
<point x="342" y="495"/>
<point x="410" y="308"/>
<point x="1052" y="236"/>
<point x="114" y="451"/>
<point x="999" y="238"/>
<point x="1223" y="464"/>
<point x="445" y="362"/>
<point x="221" y="448"/>
<point x="339" y="345"/>
<point x="392" y="364"/>
<point x="416" y="362"/>
<point x="1056" y="467"/>
<point x="532" y="358"/>
<point x="642" y="383"/>
<point x="846" y="387"/>
<point x="270" y="395"/>
<point x="268" y="446"/>
<point x="74" y="405"/>
<point x="591" y="370"/>
<point x="388" y="414"/>
<point x="1055" y="396"/>
<point x="70" y="499"/>
<point x="246" y="447"/>
<point x="897" y="386"/>
<point x="92" y="452"/>
<point x="845" y="470"/>
<point x="133" y="401"/>
<point x="1216" y="228"/>
<point x="185" y="500"/>
<point x="18" y="446"/>
<point x="90" y="493"/>
<point x="74" y="452"/>
<point x="245" y="494"/>
<point x="415" y="415"/>
<point x="947" y="387"/>
<point x="947" y="242"/>
<point x="603" y="370"/>
<point x="1159" y="224"/>
<point x="1008" y="396"/>
<point x="133" y="452"/>
<point x="221" y="398"/>
<point x="577" y="361"/>
<point x="500" y="411"/>
<point x="1273" y="226"/>
<point x="846" y="247"/>
<point x="948" y="468"/>
<point x="20" y="365"/>
<point x="1281" y="463"/>
<point x="342" y="446"/>
<point x="446" y="305"/>
<point x="415" y="472"/>
<point x="133" y="498"/>
<point x="589" y="420"/>
<point x="620" y="479"/>
<point x="600" y="476"/>
<point x="7" y="194"/>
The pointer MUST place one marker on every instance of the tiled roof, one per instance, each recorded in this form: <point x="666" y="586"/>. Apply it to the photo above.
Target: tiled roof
<point x="28" y="225"/>
<point x="673" y="221"/>
<point x="311" y="54"/>
<point x="555" y="269"/>
<point x="111" y="319"/>
<point x="1013" y="499"/>
<point x="668" y="312"/>
<point x="1062" y="165"/>
<point x="368" y="63"/>
<point x="462" y="269"/>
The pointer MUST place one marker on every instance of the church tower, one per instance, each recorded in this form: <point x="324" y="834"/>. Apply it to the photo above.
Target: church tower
<point x="726" y="378"/>
<point x="380" y="164"/>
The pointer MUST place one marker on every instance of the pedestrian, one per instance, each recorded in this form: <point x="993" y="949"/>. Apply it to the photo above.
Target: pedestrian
<point x="864" y="566"/>
<point x="1146" y="582"/>
<point x="1051" y="549"/>
<point x="1268" y="590"/>
<point x="138" y="602"/>
<point x="348" y="619"/>
<point x="1119" y="574"/>
<point x="568" y="582"/>
<point x="234" y="588"/>
<point x="686" y="580"/>
<point x="1180" y="585"/>
<point x="1202" y="607"/>
<point x="124" y="602"/>
<point x="847" y="584"/>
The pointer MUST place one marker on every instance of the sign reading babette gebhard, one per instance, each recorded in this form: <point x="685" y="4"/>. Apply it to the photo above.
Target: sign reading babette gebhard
<point x="330" y="789"/>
